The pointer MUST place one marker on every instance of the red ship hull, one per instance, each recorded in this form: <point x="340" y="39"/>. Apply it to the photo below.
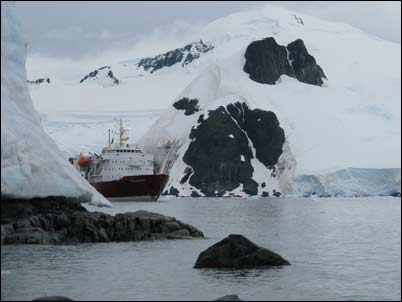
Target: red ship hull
<point x="133" y="188"/>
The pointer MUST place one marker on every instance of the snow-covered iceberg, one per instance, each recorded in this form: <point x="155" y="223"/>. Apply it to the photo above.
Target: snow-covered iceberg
<point x="31" y="163"/>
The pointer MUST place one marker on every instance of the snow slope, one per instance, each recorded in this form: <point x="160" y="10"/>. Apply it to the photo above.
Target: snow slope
<point x="351" y="122"/>
<point x="31" y="163"/>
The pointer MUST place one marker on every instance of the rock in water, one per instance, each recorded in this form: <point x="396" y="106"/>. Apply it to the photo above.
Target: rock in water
<point x="56" y="298"/>
<point x="266" y="61"/>
<point x="229" y="298"/>
<point x="56" y="221"/>
<point x="238" y="252"/>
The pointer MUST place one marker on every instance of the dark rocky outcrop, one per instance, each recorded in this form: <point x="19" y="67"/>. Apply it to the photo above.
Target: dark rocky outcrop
<point x="94" y="74"/>
<point x="184" y="55"/>
<point x="56" y="221"/>
<point x="172" y="191"/>
<point x="267" y="136"/>
<point x="39" y="81"/>
<point x="229" y="298"/>
<point x="220" y="155"/>
<point x="266" y="61"/>
<point x="190" y="106"/>
<point x="304" y="64"/>
<point x="53" y="298"/>
<point x="238" y="252"/>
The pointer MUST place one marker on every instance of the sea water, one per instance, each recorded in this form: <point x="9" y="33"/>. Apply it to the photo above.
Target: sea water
<point x="339" y="248"/>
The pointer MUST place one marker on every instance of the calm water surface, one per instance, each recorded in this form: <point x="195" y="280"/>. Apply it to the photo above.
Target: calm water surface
<point x="340" y="249"/>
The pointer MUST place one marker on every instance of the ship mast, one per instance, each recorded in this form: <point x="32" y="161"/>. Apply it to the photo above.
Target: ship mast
<point x="122" y="131"/>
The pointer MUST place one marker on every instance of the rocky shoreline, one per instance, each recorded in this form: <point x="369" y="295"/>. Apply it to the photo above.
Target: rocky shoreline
<point x="61" y="221"/>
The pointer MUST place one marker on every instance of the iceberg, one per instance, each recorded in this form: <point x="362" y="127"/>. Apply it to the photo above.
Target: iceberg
<point x="31" y="163"/>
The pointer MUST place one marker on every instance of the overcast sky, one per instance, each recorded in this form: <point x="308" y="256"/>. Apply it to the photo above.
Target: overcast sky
<point x="73" y="30"/>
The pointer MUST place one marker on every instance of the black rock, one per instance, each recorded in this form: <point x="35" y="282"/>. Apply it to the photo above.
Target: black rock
<point x="276" y="194"/>
<point x="219" y="153"/>
<point x="39" y="81"/>
<point x="190" y="106"/>
<point x="229" y="298"/>
<point x="265" y="194"/>
<point x="266" y="61"/>
<point x="304" y="64"/>
<point x="184" y="55"/>
<point x="59" y="221"/>
<point x="93" y="74"/>
<point x="195" y="194"/>
<point x="53" y="298"/>
<point x="172" y="191"/>
<point x="238" y="252"/>
<point x="267" y="136"/>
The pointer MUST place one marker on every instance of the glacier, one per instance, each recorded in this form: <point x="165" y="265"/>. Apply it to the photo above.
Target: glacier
<point x="32" y="165"/>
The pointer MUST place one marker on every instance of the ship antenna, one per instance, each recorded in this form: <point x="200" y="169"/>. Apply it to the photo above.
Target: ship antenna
<point x="121" y="133"/>
<point x="109" y="139"/>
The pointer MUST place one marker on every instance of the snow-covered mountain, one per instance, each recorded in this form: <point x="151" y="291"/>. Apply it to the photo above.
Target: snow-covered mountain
<point x="177" y="57"/>
<point x="181" y="56"/>
<point x="212" y="143"/>
<point x="103" y="75"/>
<point x="334" y="90"/>
<point x="31" y="163"/>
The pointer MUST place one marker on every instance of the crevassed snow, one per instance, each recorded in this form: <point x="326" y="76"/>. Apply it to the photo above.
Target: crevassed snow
<point x="31" y="163"/>
<point x="349" y="182"/>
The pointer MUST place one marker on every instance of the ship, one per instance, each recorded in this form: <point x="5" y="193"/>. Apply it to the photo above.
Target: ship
<point x="122" y="172"/>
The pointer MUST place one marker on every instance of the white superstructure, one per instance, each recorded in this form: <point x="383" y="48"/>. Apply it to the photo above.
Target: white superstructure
<point x="116" y="161"/>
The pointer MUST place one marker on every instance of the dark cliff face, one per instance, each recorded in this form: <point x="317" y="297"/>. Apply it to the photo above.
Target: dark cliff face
<point x="220" y="150"/>
<point x="94" y="74"/>
<point x="184" y="55"/>
<point x="266" y="61"/>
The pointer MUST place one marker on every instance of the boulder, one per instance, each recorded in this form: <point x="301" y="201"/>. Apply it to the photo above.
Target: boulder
<point x="53" y="298"/>
<point x="236" y="252"/>
<point x="229" y="298"/>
